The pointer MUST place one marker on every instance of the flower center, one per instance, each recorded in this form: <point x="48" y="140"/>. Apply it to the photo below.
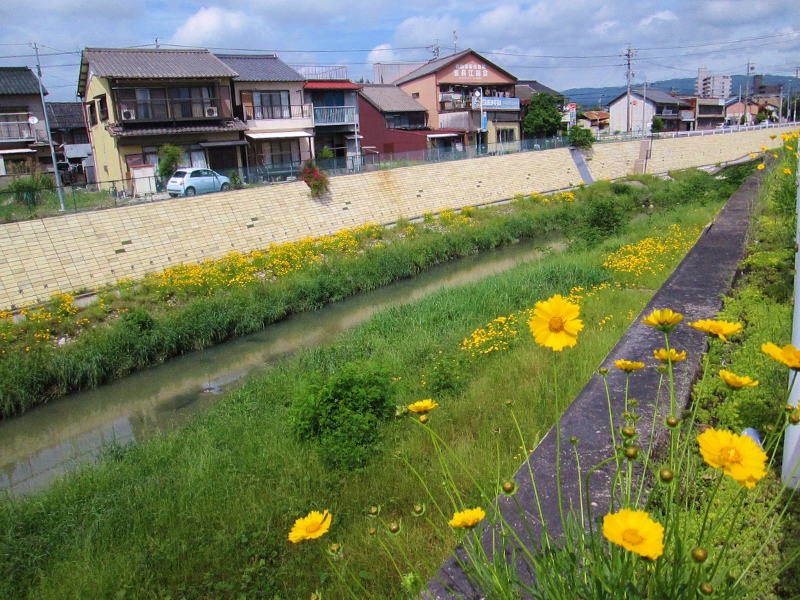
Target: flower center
<point x="313" y="527"/>
<point x="729" y="456"/>
<point x="556" y="324"/>
<point x="632" y="537"/>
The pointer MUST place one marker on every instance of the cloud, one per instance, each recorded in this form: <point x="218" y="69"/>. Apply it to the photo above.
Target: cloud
<point x="664" y="15"/>
<point x="209" y="26"/>
<point x="382" y="53"/>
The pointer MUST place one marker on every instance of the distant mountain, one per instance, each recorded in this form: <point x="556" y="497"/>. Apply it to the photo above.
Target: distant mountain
<point x="589" y="96"/>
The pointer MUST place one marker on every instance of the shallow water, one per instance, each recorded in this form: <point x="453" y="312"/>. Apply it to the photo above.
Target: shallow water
<point x="53" y="439"/>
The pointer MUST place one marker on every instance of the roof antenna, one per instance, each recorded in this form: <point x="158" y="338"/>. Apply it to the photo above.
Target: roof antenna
<point x="157" y="46"/>
<point x="455" y="41"/>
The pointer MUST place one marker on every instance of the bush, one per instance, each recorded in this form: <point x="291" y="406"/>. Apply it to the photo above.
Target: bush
<point x="581" y="138"/>
<point x="315" y="179"/>
<point x="342" y="414"/>
<point x="29" y="190"/>
<point x="169" y="157"/>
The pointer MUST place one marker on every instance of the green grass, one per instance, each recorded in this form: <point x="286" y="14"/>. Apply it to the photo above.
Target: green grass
<point x="76" y="198"/>
<point x="204" y="512"/>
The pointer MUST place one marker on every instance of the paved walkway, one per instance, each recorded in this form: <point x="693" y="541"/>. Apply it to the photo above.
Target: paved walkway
<point x="695" y="290"/>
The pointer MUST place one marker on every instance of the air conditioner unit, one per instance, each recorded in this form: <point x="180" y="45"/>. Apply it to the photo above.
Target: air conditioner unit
<point x="129" y="115"/>
<point x="211" y="111"/>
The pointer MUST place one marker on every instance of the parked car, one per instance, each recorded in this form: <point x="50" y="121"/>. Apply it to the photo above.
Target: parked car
<point x="188" y="182"/>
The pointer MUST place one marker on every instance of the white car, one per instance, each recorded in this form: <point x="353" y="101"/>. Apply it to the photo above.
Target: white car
<point x="188" y="182"/>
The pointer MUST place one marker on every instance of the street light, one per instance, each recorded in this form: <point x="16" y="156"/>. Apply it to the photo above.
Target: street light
<point x="482" y="128"/>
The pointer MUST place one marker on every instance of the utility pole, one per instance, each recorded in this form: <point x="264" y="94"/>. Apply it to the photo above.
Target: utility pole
<point x="644" y="106"/>
<point x="747" y="92"/>
<point x="49" y="136"/>
<point x="455" y="41"/>
<point x="796" y="76"/>
<point x="628" y="76"/>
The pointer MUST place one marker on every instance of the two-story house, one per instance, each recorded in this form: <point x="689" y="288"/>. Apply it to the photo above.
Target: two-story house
<point x="392" y="121"/>
<point x="635" y="112"/>
<point x="23" y="133"/>
<point x="268" y="97"/>
<point x="136" y="100"/>
<point x="466" y="92"/>
<point x="336" y="121"/>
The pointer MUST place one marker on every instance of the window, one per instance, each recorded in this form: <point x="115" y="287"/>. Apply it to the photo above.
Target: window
<point x="282" y="152"/>
<point x="405" y="120"/>
<point x="102" y="104"/>
<point x="91" y="113"/>
<point x="415" y="95"/>
<point x="272" y="105"/>
<point x="506" y="135"/>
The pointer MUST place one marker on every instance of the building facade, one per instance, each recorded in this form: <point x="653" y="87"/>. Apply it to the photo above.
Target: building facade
<point x="137" y="100"/>
<point x="468" y="94"/>
<point x="712" y="86"/>
<point x="635" y="112"/>
<point x="391" y="121"/>
<point x="23" y="132"/>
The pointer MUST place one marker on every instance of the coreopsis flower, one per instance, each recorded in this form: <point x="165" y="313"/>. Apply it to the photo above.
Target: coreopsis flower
<point x="721" y="329"/>
<point x="787" y="171"/>
<point x="735" y="381"/>
<point x="467" y="519"/>
<point x="635" y="531"/>
<point x="628" y="365"/>
<point x="422" y="406"/>
<point x="555" y="323"/>
<point x="671" y="356"/>
<point x="312" y="526"/>
<point x="664" y="320"/>
<point x="752" y="155"/>
<point x="761" y="167"/>
<point x="738" y="455"/>
<point x="788" y="355"/>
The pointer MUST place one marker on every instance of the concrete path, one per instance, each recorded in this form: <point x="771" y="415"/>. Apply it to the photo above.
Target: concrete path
<point x="695" y="289"/>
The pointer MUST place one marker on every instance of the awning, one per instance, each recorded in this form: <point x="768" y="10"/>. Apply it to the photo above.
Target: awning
<point x="228" y="143"/>
<point x="17" y="151"/>
<point x="331" y="85"/>
<point x="271" y="135"/>
<point x="443" y="135"/>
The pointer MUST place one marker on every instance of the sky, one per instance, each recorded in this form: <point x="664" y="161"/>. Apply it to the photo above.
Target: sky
<point x="560" y="44"/>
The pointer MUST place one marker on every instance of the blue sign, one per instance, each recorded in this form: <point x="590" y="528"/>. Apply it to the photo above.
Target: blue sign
<point x="492" y="103"/>
<point x="484" y="122"/>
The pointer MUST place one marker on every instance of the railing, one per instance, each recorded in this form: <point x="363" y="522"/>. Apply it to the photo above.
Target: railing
<point x="636" y="135"/>
<point x="334" y="115"/>
<point x="160" y="110"/>
<point x="17" y="130"/>
<point x="295" y="111"/>
<point x="335" y="72"/>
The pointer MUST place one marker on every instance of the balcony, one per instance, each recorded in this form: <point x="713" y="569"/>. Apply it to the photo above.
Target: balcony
<point x="334" y="115"/>
<point x="14" y="127"/>
<point x="277" y="118"/>
<point x="205" y="109"/>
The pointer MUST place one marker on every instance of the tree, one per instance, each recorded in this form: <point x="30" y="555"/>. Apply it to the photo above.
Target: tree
<point x="544" y="117"/>
<point x="168" y="158"/>
<point x="658" y="125"/>
<point x="581" y="138"/>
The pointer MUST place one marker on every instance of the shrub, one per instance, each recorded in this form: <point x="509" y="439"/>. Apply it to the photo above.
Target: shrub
<point x="29" y="190"/>
<point x="169" y="157"/>
<point x="342" y="414"/>
<point x="315" y="179"/>
<point x="581" y="138"/>
<point x="236" y="179"/>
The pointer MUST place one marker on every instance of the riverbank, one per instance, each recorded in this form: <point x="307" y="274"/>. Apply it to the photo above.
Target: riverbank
<point x="61" y="348"/>
<point x="205" y="511"/>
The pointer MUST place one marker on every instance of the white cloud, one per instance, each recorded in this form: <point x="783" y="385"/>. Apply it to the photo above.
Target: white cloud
<point x="604" y="27"/>
<point x="664" y="15"/>
<point x="382" y="53"/>
<point x="209" y="26"/>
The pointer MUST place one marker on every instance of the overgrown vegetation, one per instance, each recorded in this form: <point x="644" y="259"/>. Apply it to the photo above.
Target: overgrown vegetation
<point x="315" y="178"/>
<point x="192" y="307"/>
<point x="169" y="157"/>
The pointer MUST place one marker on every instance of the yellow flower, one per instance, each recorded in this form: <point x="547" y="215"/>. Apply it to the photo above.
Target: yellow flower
<point x="663" y="320"/>
<point x="764" y="148"/>
<point x="735" y="381"/>
<point x="312" y="526"/>
<point x="628" y="365"/>
<point x="635" y="531"/>
<point x="555" y="323"/>
<point x="423" y="406"/>
<point x="787" y="171"/>
<point x="467" y="519"/>
<point x="721" y="329"/>
<point x="739" y="456"/>
<point x="761" y="167"/>
<point x="672" y="356"/>
<point x="788" y="355"/>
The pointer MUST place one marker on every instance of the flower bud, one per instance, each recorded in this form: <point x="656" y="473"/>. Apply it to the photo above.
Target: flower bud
<point x="666" y="475"/>
<point x="509" y="487"/>
<point x="687" y="414"/>
<point x="672" y="421"/>
<point x="394" y="528"/>
<point x="631" y="452"/>
<point x="418" y="510"/>
<point x="706" y="589"/>
<point x="699" y="554"/>
<point x="603" y="371"/>
<point x="573" y="440"/>
<point x="628" y="431"/>
<point x="788" y="408"/>
<point x="316" y="596"/>
<point x="372" y="531"/>
<point x="633" y="402"/>
<point x="423" y="419"/>
<point x="334" y="549"/>
<point x="662" y="368"/>
<point x="374" y="511"/>
<point x="769" y="428"/>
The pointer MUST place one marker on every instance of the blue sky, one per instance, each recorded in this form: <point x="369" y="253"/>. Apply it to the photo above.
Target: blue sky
<point x="561" y="44"/>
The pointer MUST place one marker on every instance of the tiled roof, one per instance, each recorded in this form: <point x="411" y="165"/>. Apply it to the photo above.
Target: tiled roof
<point x="655" y="96"/>
<point x="331" y="85"/>
<point x="439" y="63"/>
<point x="149" y="63"/>
<point x="260" y="67"/>
<point x="65" y="115"/>
<point x="18" y="81"/>
<point x="121" y="131"/>
<point x="597" y="115"/>
<point x="390" y="98"/>
<point x="537" y="87"/>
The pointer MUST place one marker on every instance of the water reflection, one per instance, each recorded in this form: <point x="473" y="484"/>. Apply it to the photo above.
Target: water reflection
<point x="53" y="439"/>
